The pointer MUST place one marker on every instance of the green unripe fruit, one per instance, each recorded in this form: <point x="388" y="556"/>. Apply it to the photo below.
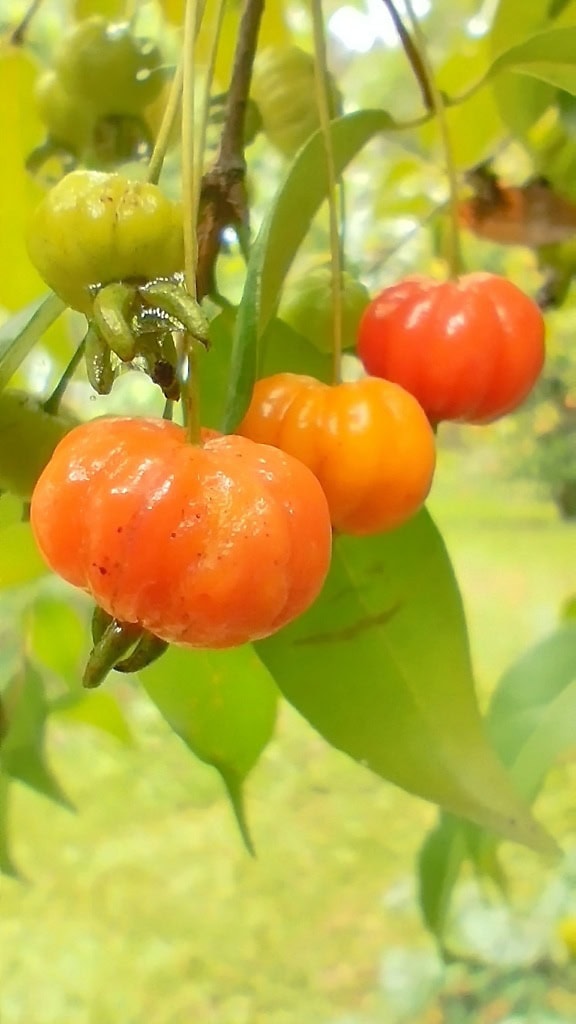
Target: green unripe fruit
<point x="283" y="88"/>
<point x="28" y="437"/>
<point x="69" y="120"/>
<point x="92" y="229"/>
<point x="109" y="66"/>
<point x="307" y="307"/>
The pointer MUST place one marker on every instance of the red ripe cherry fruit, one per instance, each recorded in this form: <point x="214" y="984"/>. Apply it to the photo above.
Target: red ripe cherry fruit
<point x="469" y="350"/>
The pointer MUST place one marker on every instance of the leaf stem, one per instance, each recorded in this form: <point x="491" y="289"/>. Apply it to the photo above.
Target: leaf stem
<point x="439" y="106"/>
<point x="323" y="103"/>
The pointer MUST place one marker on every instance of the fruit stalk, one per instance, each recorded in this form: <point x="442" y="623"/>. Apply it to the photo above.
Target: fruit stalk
<point x="323" y="102"/>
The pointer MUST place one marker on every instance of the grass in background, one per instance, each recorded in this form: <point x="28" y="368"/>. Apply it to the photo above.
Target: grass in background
<point x="144" y="907"/>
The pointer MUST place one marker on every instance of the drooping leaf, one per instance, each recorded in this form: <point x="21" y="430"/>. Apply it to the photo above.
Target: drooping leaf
<point x="56" y="638"/>
<point x="532" y="713"/>
<point x="22" y="754"/>
<point x="21" y="332"/>
<point x="531" y="723"/>
<point x="380" y="667"/>
<point x="521" y="100"/>
<point x="20" y="560"/>
<point x="439" y="863"/>
<point x="548" y="56"/>
<point x="286" y="223"/>
<point x="97" y="709"/>
<point x="222" y="704"/>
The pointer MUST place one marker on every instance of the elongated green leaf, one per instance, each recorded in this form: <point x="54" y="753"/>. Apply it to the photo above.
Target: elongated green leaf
<point x="222" y="704"/>
<point x="534" y="707"/>
<point x="97" y="709"/>
<point x="56" y="638"/>
<point x="285" y="226"/>
<point x="281" y="348"/>
<point x="439" y="863"/>
<point x="19" y="334"/>
<point x="531" y="723"/>
<point x="548" y="56"/>
<point x="22" y="754"/>
<point x="380" y="666"/>
<point x="20" y="560"/>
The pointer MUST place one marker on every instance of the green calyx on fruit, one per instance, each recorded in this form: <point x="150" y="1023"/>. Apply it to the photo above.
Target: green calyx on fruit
<point x="307" y="307"/>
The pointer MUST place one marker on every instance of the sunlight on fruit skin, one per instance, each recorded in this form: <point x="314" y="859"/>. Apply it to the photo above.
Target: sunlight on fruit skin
<point x="206" y="546"/>
<point x="368" y="442"/>
<point x="94" y="228"/>
<point x="28" y="437"/>
<point x="469" y="350"/>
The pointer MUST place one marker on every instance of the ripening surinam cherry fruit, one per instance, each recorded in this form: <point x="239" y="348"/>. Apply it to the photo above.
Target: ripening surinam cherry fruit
<point x="469" y="350"/>
<point x="207" y="546"/>
<point x="93" y="228"/>
<point x="368" y="443"/>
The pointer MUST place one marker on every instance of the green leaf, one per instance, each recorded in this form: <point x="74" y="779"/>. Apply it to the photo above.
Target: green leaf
<point x="533" y="708"/>
<point x="7" y="865"/>
<point x="20" y="560"/>
<point x="531" y="723"/>
<point x="440" y="861"/>
<point x="222" y="704"/>
<point x="98" y="709"/>
<point x="56" y="637"/>
<point x="22" y="754"/>
<point x="380" y="667"/>
<point x="286" y="223"/>
<point x="282" y="350"/>
<point x="548" y="56"/>
<point x="21" y="332"/>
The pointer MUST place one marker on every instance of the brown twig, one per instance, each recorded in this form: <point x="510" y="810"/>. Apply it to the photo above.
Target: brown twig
<point x="223" y="191"/>
<point x="412" y="54"/>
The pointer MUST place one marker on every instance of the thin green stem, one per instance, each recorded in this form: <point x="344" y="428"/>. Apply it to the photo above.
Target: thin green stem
<point x="439" y="105"/>
<point x="188" y="367"/>
<point x="199" y="169"/>
<point x="188" y="145"/>
<point x="52" y="404"/>
<point x="166" y="127"/>
<point x="322" y="86"/>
